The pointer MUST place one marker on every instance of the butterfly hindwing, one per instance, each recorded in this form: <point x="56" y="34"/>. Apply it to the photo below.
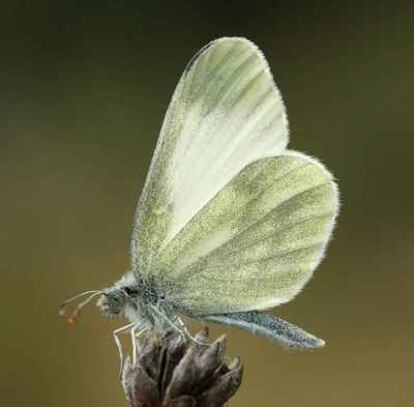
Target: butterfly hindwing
<point x="258" y="241"/>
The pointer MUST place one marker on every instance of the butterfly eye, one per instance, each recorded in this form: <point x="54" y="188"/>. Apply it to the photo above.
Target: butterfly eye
<point x="129" y="291"/>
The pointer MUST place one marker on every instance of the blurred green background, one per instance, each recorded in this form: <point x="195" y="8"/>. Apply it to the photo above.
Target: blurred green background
<point x="83" y="89"/>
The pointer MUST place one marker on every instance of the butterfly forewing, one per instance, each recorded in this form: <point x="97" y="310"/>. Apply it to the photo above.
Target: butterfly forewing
<point x="226" y="112"/>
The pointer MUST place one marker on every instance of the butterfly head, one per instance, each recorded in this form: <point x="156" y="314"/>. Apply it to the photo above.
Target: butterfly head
<point x="120" y="299"/>
<point x="113" y="301"/>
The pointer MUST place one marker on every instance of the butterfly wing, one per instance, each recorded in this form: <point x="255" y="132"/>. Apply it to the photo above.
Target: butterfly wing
<point x="257" y="242"/>
<point x="226" y="113"/>
<point x="273" y="328"/>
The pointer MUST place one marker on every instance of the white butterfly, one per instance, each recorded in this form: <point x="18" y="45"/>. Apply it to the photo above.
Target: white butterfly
<point x="229" y="222"/>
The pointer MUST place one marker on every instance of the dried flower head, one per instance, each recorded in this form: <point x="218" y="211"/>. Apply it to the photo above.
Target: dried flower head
<point x="170" y="372"/>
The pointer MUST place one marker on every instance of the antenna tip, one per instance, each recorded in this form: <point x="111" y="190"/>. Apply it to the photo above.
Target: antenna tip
<point x="74" y="316"/>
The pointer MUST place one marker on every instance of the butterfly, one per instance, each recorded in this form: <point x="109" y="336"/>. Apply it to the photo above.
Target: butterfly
<point x="230" y="222"/>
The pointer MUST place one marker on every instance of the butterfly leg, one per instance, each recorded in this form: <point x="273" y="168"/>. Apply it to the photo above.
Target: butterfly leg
<point x="118" y="342"/>
<point x="161" y="315"/>
<point x="188" y="336"/>
<point x="135" y="334"/>
<point x="180" y="327"/>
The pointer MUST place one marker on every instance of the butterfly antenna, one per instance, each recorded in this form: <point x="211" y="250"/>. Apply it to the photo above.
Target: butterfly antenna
<point x="73" y="316"/>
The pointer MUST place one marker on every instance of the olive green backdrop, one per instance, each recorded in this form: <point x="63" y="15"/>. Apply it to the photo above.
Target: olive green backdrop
<point x="83" y="89"/>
